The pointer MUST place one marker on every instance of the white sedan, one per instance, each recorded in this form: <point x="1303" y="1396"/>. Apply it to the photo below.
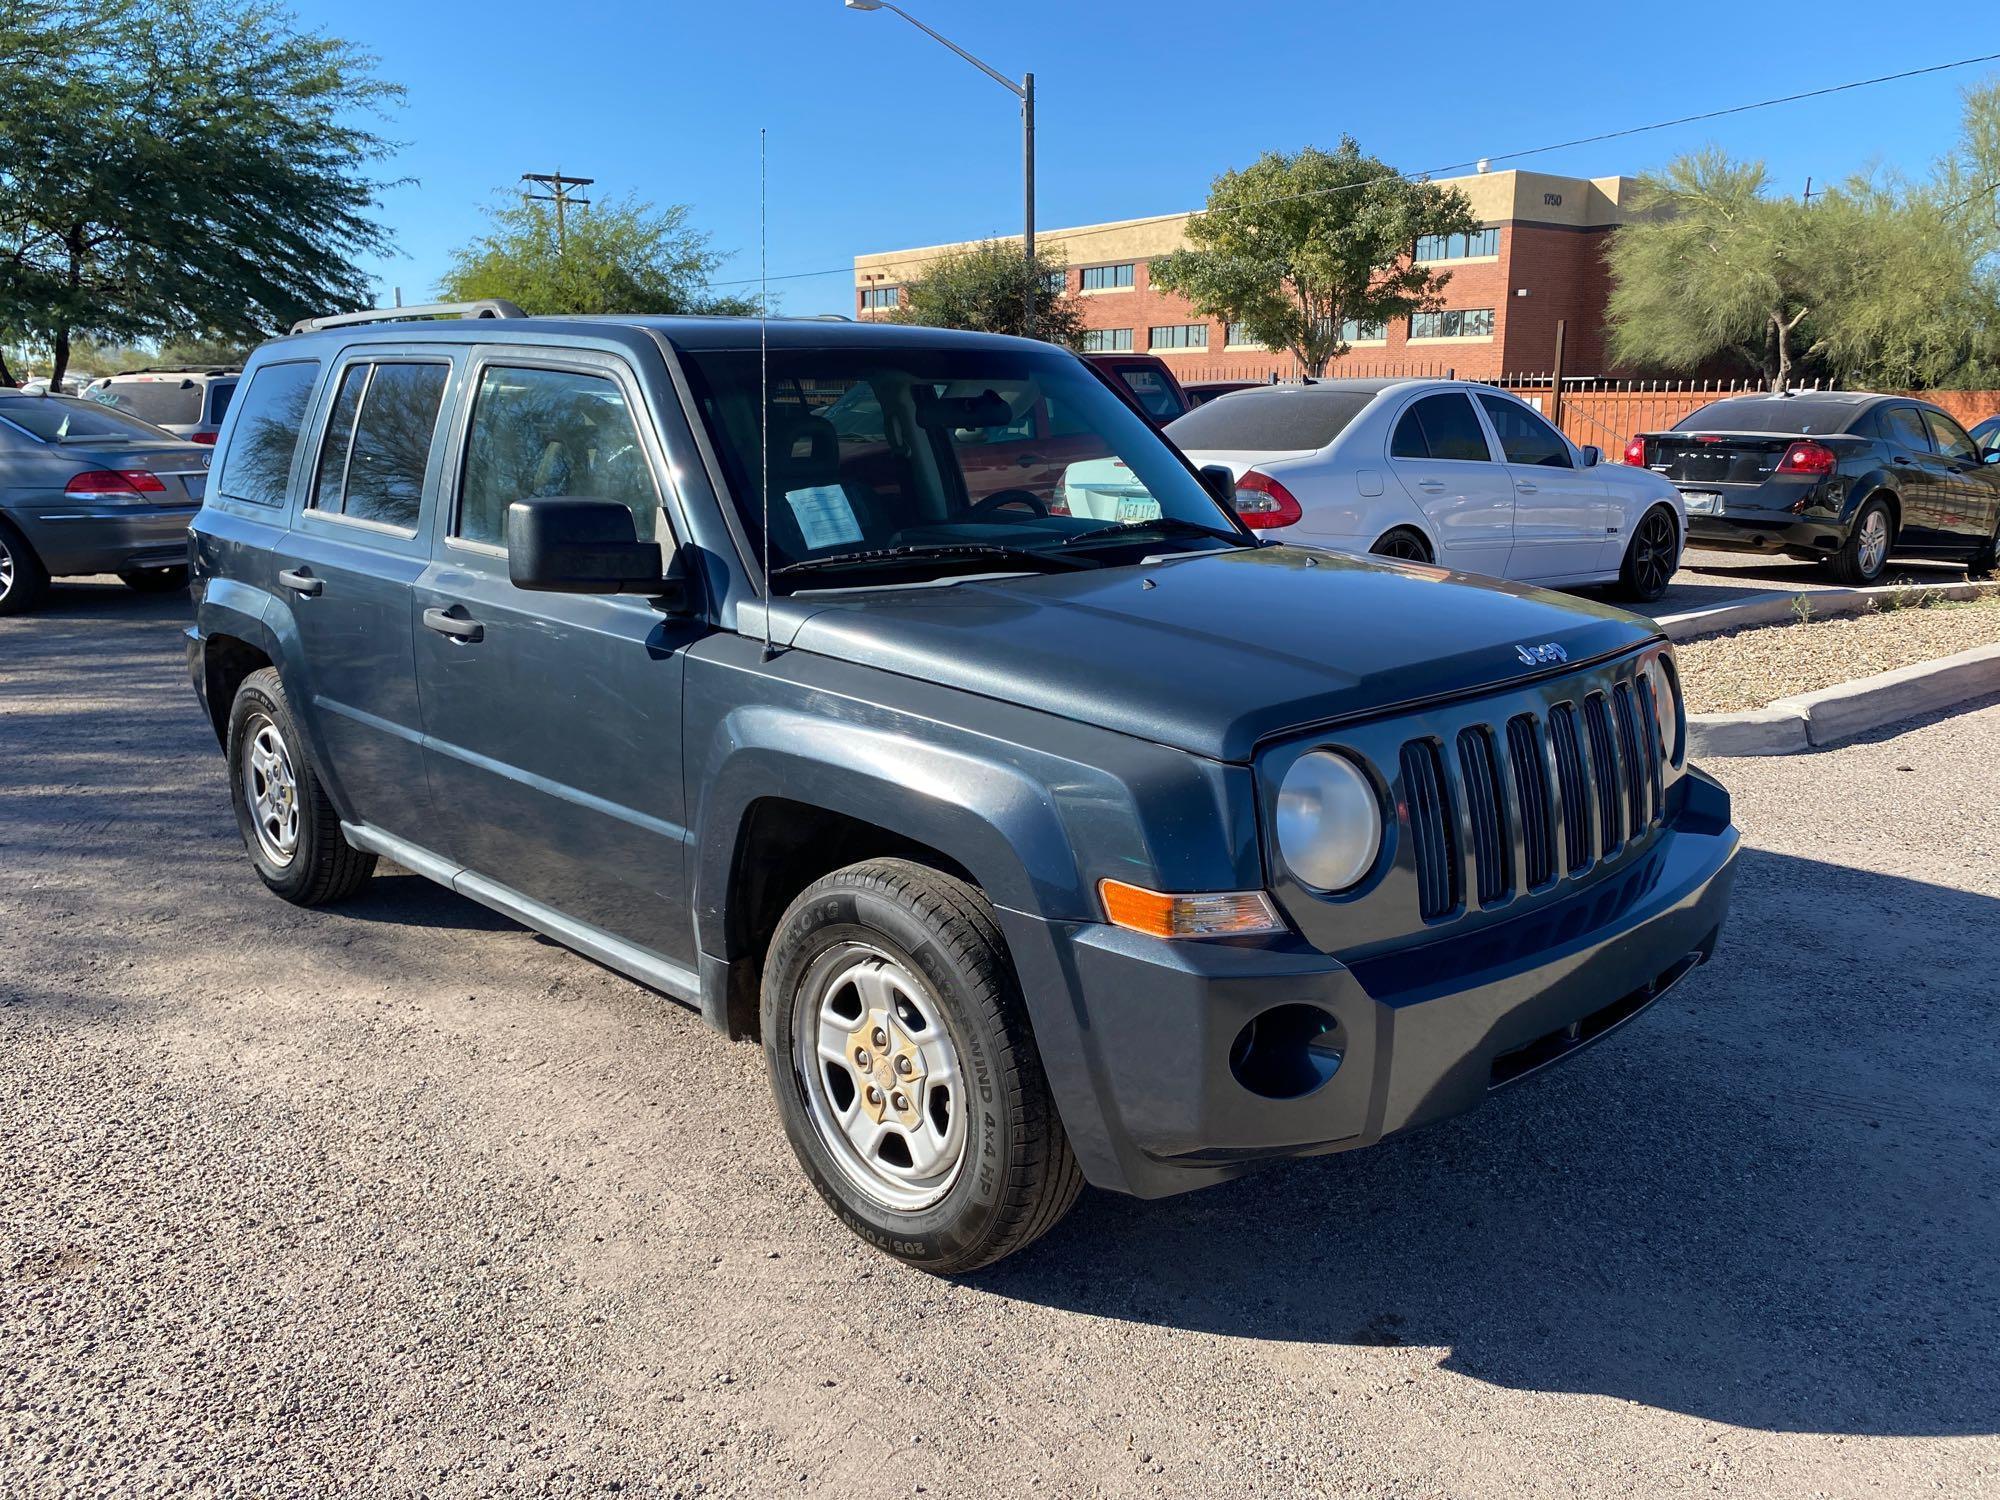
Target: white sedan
<point x="1443" y="471"/>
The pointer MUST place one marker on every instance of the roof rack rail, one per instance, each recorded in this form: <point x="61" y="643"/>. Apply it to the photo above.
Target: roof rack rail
<point x="485" y="307"/>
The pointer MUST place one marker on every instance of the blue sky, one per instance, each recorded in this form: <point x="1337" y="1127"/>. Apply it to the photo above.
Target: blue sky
<point x="879" y="138"/>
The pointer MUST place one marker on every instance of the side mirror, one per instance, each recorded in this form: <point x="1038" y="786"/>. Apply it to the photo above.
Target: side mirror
<point x="559" y="545"/>
<point x="1990" y="456"/>
<point x="1592" y="455"/>
<point x="1220" y="483"/>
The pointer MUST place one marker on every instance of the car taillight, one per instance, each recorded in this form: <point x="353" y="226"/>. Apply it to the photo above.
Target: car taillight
<point x="1262" y="502"/>
<point x="1808" y="458"/>
<point x="202" y="437"/>
<point x="1635" y="453"/>
<point x="114" y="484"/>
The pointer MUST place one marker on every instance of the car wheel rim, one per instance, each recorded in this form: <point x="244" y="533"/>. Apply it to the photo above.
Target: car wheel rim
<point x="1654" y="563"/>
<point x="6" y="569"/>
<point x="881" y="1078"/>
<point x="270" y="789"/>
<point x="1874" y="541"/>
<point x="1402" y="547"/>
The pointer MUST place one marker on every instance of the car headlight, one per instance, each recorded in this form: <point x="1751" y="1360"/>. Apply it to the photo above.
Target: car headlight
<point x="1329" y="822"/>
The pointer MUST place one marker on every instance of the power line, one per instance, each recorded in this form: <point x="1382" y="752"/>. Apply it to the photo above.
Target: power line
<point x="1460" y="166"/>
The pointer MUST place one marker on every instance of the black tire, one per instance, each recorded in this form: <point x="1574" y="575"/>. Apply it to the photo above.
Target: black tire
<point x="321" y="866"/>
<point x="24" y="582"/>
<point x="1651" y="557"/>
<point x="1986" y="561"/>
<point x="1405" y="543"/>
<point x="1015" y="1176"/>
<point x="1850" y="565"/>
<point x="155" y="580"/>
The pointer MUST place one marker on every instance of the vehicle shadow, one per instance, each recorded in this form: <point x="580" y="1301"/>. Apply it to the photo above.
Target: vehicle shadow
<point x="107" y="599"/>
<point x="1769" y="1202"/>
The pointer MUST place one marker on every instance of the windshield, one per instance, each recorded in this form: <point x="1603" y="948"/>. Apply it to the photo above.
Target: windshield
<point x="55" y="419"/>
<point x="1270" y="419"/>
<point x="957" y="460"/>
<point x="169" y="400"/>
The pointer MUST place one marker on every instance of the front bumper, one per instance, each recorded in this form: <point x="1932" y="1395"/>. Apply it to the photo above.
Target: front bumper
<point x="1420" y="1034"/>
<point x="73" y="539"/>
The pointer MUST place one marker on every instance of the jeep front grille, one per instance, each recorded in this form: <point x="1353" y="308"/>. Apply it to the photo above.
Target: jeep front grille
<point x="1431" y="838"/>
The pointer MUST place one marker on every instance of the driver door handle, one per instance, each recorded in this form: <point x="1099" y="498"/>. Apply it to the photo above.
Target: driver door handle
<point x="302" y="581"/>
<point x="1029" y="461"/>
<point x="445" y="622"/>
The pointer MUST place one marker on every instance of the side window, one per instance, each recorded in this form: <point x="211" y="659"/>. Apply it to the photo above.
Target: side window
<point x="378" y="443"/>
<point x="1950" y="437"/>
<point x="550" y="432"/>
<point x="1903" y="428"/>
<point x="1524" y="437"/>
<point x="258" y="461"/>
<point x="1441" y="426"/>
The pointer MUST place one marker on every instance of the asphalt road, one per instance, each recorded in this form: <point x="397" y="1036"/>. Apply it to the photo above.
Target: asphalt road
<point x="1711" y="578"/>
<point x="397" y="1198"/>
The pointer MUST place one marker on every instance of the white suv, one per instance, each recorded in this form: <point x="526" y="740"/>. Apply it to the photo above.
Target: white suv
<point x="188" y="403"/>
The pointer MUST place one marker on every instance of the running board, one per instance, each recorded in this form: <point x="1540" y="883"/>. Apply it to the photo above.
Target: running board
<point x="634" y="962"/>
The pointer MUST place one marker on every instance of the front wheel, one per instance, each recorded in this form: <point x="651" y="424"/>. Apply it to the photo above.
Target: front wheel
<point x="23" y="579"/>
<point x="905" y="1071"/>
<point x="1650" y="557"/>
<point x="154" y="580"/>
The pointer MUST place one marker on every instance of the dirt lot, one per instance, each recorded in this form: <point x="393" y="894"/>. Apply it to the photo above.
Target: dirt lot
<point x="399" y="1199"/>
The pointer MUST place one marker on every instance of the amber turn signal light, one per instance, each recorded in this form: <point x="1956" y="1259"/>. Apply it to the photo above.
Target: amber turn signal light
<point x="1215" y="914"/>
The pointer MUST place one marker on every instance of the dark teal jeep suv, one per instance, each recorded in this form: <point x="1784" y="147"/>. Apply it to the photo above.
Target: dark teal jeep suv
<point x="1046" y="831"/>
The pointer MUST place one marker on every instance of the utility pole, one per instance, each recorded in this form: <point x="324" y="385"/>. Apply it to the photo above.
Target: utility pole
<point x="561" y="196"/>
<point x="1027" y="92"/>
<point x="1809" y="193"/>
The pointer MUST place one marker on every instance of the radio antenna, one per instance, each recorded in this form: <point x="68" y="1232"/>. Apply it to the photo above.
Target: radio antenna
<point x="764" y="362"/>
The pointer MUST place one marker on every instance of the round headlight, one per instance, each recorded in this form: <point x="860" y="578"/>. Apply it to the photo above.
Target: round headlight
<point x="1666" y="707"/>
<point x="1329" y="821"/>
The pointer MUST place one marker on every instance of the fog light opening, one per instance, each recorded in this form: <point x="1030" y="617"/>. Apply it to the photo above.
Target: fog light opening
<point x="1287" y="1052"/>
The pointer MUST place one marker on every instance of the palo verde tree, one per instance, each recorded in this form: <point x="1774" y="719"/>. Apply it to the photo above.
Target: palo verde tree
<point x="986" y="288"/>
<point x="1294" y="247"/>
<point x="615" y="256"/>
<point x="170" y="167"/>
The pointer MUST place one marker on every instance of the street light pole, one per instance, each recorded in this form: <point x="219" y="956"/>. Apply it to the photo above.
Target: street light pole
<point x="1025" y="92"/>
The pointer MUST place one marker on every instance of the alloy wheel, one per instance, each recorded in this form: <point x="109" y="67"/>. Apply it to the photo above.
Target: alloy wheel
<point x="1401" y="545"/>
<point x="270" y="789"/>
<point x="1873" y="548"/>
<point x="1653" y="554"/>
<point x="6" y="569"/>
<point x="881" y="1076"/>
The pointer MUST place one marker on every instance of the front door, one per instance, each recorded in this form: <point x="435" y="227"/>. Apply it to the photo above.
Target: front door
<point x="1563" y="515"/>
<point x="1968" y="487"/>
<point x="360" y="540"/>
<point x="1919" y="482"/>
<point x="553" y="721"/>
<point x="1439" y="454"/>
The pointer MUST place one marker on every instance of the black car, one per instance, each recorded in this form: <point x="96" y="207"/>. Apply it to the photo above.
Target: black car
<point x="1841" y="477"/>
<point x="1039" y="848"/>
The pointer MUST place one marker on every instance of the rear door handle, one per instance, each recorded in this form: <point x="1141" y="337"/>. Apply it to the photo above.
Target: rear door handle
<point x="1524" y="487"/>
<point x="1434" y="486"/>
<point x="444" y="622"/>
<point x="301" y="580"/>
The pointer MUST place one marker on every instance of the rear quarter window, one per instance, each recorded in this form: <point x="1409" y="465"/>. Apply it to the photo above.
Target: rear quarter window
<point x="256" y="462"/>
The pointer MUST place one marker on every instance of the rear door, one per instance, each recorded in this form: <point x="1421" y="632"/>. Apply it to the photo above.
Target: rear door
<point x="1440" y="454"/>
<point x="1564" y="516"/>
<point x="360" y="539"/>
<point x="553" y="721"/>
<point x="1969" y="489"/>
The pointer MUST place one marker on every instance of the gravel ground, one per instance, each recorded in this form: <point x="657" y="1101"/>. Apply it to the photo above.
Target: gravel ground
<point x="398" y="1199"/>
<point x="1748" y="668"/>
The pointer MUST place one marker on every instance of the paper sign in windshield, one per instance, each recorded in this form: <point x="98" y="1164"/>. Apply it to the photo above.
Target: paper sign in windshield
<point x="825" y="517"/>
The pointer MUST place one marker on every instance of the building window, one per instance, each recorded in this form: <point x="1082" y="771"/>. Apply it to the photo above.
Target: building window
<point x="1239" y="335"/>
<point x="1179" y="336"/>
<point x="1458" y="246"/>
<point x="880" y="296"/>
<point x="1056" y="283"/>
<point x="1107" y="341"/>
<point x="1354" y="331"/>
<point x="1107" y="278"/>
<point x="1456" y="323"/>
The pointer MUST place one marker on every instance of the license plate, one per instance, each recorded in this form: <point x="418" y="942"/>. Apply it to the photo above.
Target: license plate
<point x="1137" y="508"/>
<point x="1702" y="502"/>
<point x="196" y="484"/>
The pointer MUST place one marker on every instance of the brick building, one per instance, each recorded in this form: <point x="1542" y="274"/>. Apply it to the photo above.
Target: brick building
<point x="1537" y="258"/>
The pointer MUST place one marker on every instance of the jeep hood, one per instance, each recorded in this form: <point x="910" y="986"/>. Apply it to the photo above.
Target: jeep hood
<point x="1212" y="652"/>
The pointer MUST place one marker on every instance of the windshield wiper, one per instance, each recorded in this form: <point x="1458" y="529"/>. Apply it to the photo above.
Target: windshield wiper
<point x="1171" y="524"/>
<point x="926" y="550"/>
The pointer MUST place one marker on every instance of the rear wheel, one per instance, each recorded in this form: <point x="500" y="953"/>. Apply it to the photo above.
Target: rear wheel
<point x="23" y="579"/>
<point x="1404" y="543"/>
<point x="1650" y="557"/>
<point x="154" y="580"/>
<point x="1864" y="556"/>
<point x="905" y="1072"/>
<point x="289" y="823"/>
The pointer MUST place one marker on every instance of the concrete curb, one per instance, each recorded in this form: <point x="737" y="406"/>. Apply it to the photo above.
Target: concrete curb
<point x="1766" y="609"/>
<point x="1809" y="721"/>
